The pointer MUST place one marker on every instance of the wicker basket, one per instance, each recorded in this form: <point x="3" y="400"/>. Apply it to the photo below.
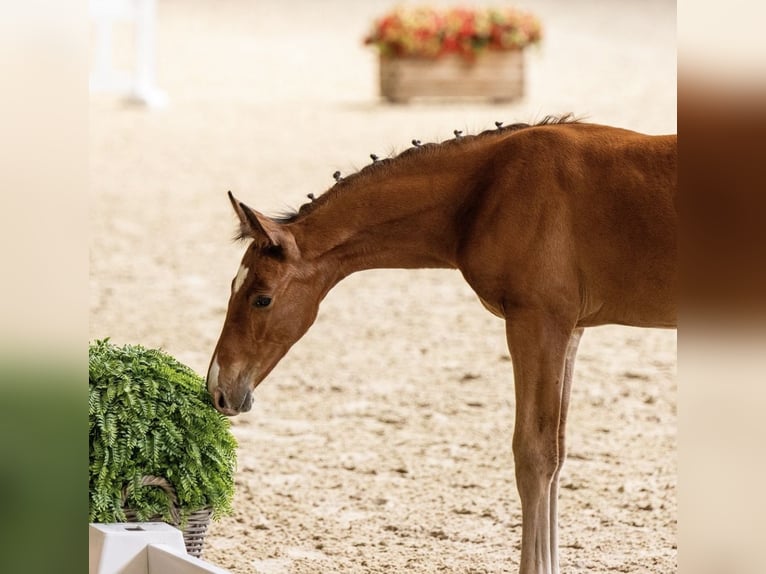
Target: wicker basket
<point x="196" y="525"/>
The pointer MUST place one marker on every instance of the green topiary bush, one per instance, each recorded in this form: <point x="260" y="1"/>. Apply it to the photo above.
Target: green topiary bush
<point x="151" y="415"/>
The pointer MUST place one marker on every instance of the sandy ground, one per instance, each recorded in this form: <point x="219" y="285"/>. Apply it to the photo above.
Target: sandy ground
<point x="382" y="442"/>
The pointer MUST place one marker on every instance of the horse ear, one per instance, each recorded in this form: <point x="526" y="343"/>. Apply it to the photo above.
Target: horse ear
<point x="255" y="225"/>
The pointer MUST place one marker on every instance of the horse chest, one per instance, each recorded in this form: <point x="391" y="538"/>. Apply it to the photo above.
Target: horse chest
<point x="492" y="308"/>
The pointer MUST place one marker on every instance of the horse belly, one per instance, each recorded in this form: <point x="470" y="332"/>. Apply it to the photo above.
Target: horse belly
<point x="648" y="310"/>
<point x="638" y="288"/>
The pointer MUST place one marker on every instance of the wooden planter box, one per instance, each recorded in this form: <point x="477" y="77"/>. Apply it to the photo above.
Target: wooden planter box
<point x="498" y="76"/>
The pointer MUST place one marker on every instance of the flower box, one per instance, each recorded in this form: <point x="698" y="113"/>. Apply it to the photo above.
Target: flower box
<point x="498" y="76"/>
<point x="456" y="52"/>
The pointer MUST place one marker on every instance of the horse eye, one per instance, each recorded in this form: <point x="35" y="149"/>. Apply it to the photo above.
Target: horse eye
<point x="262" y="301"/>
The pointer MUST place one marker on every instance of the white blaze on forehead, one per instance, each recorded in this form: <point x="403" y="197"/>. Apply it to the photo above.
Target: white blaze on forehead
<point x="240" y="278"/>
<point x="212" y="375"/>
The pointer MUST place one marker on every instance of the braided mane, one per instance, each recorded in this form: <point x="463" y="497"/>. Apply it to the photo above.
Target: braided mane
<point x="383" y="164"/>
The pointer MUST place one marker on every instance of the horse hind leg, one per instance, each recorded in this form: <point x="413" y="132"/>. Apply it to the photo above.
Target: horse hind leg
<point x="538" y="344"/>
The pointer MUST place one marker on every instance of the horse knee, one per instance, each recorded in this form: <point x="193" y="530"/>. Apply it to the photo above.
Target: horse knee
<point x="536" y="455"/>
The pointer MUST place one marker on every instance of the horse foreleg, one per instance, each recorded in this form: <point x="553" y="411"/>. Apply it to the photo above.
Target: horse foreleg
<point x="566" y="387"/>
<point x="538" y="344"/>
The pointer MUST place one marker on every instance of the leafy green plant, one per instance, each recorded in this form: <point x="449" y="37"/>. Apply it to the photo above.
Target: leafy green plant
<point x="151" y="415"/>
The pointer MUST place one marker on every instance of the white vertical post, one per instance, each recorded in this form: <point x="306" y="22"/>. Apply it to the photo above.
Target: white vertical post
<point x="144" y="87"/>
<point x="140" y="84"/>
<point x="103" y="63"/>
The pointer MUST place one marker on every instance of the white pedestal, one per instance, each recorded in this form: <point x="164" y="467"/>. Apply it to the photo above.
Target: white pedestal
<point x="122" y="548"/>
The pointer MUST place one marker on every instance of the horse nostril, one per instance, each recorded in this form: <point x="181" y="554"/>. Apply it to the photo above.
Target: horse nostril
<point x="247" y="402"/>
<point x="220" y="400"/>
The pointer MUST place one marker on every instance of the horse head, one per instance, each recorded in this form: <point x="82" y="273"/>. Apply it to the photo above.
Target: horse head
<point x="274" y="299"/>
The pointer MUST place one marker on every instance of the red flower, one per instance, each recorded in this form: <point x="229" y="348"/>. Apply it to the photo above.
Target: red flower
<point x="425" y="32"/>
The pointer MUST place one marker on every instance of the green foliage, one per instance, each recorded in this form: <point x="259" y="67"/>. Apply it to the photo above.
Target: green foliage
<point x="151" y="415"/>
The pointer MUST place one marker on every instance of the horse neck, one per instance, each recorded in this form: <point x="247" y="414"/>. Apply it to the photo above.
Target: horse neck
<point x="404" y="215"/>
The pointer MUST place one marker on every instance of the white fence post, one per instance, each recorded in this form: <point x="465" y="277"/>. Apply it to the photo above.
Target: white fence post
<point x="140" y="85"/>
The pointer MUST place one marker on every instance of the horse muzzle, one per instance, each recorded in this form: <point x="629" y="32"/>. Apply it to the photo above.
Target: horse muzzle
<point x="228" y="399"/>
<point x="232" y="406"/>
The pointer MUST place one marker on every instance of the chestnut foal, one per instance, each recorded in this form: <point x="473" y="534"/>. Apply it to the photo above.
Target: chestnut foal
<point x="556" y="226"/>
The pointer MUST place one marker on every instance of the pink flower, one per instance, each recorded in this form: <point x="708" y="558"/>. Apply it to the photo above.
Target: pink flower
<point x="422" y="32"/>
